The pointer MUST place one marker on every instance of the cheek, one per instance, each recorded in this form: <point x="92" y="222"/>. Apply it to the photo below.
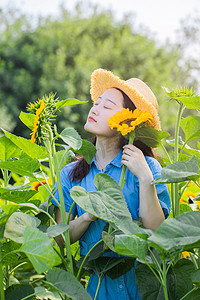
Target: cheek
<point x="111" y="114"/>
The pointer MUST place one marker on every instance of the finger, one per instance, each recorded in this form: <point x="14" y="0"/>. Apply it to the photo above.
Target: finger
<point x="125" y="157"/>
<point x="125" y="162"/>
<point x="127" y="151"/>
<point x="92" y="218"/>
<point x="130" y="147"/>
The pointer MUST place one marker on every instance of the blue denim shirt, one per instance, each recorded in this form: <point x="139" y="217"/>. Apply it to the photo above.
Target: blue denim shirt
<point x="123" y="287"/>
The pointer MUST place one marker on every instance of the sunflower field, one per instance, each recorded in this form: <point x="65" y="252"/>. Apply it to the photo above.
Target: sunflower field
<point x="32" y="264"/>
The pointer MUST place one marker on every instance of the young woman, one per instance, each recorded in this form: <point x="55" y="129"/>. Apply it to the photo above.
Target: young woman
<point x="152" y="203"/>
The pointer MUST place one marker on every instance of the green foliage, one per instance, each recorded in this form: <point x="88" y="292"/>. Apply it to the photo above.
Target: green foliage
<point x="71" y="137"/>
<point x="17" y="193"/>
<point x="107" y="202"/>
<point x="60" y="55"/>
<point x="180" y="171"/>
<point x="131" y="245"/>
<point x="17" y="224"/>
<point x="31" y="234"/>
<point x="67" y="284"/>
<point x="68" y="102"/>
<point x="29" y="148"/>
<point x="177" y="234"/>
<point x="26" y="238"/>
<point x="150" y="136"/>
<point x="37" y="246"/>
<point x="42" y="292"/>
<point x="24" y="166"/>
<point x="178" y="281"/>
<point x="87" y="149"/>
<point x="55" y="230"/>
<point x="191" y="128"/>
<point x="19" y="292"/>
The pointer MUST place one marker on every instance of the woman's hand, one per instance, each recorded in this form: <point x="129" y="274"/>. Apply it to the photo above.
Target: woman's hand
<point x="89" y="217"/>
<point x="134" y="159"/>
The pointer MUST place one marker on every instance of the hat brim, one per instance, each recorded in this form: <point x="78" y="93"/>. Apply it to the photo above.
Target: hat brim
<point x="102" y="80"/>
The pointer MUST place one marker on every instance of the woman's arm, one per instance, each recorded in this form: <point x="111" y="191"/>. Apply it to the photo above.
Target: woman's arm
<point x="150" y="209"/>
<point x="77" y="227"/>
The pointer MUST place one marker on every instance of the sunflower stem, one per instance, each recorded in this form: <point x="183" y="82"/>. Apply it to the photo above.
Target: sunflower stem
<point x="122" y="178"/>
<point x="62" y="209"/>
<point x="1" y="277"/>
<point x="98" y="286"/>
<point x="175" y="186"/>
<point x="49" y="150"/>
<point x="80" y="269"/>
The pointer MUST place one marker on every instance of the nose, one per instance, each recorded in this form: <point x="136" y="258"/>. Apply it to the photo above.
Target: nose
<point x="94" y="110"/>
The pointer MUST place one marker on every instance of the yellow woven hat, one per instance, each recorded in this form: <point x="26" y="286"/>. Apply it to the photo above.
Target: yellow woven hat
<point x="140" y="94"/>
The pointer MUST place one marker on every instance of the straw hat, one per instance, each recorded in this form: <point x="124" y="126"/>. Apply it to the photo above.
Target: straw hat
<point x="141" y="95"/>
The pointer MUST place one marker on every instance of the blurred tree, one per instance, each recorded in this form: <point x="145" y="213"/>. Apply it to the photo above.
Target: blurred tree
<point x="18" y="67"/>
<point x="189" y="44"/>
<point x="60" y="54"/>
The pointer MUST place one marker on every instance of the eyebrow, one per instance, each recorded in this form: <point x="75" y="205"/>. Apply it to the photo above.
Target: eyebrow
<point x="108" y="100"/>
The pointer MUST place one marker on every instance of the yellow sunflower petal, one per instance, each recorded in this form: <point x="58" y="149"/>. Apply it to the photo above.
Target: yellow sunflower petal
<point x="37" y="114"/>
<point x="185" y="254"/>
<point x="129" y="118"/>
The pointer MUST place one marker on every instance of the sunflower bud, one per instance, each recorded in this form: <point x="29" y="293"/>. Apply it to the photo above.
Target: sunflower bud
<point x="44" y="110"/>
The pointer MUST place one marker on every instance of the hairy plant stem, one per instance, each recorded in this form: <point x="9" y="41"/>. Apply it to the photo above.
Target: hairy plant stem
<point x="69" y="214"/>
<point x="98" y="286"/>
<point x="62" y="204"/>
<point x="7" y="277"/>
<point x="43" y="174"/>
<point x="49" y="191"/>
<point x="5" y="179"/>
<point x="153" y="272"/>
<point x="122" y="177"/>
<point x="28" y="297"/>
<point x="51" y="165"/>
<point x="81" y="266"/>
<point x="172" y="199"/>
<point x="167" y="154"/>
<point x="64" y="219"/>
<point x="192" y="256"/>
<point x="165" y="280"/>
<point x="162" y="273"/>
<point x="1" y="277"/>
<point x="176" y="159"/>
<point x="12" y="270"/>
<point x="186" y="295"/>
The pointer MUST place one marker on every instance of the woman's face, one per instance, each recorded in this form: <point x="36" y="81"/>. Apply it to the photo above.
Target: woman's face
<point x="105" y="107"/>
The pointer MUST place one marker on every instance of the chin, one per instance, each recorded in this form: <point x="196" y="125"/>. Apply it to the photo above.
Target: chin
<point x="88" y="128"/>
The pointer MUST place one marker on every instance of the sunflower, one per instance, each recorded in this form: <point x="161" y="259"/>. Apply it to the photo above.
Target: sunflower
<point x="36" y="184"/>
<point x="36" y="121"/>
<point x="127" y="120"/>
<point x="190" y="194"/>
<point x="198" y="205"/>
<point x="186" y="254"/>
<point x="184" y="92"/>
<point x="44" y="110"/>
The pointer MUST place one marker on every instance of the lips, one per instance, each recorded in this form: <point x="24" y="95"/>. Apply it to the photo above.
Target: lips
<point x="91" y="119"/>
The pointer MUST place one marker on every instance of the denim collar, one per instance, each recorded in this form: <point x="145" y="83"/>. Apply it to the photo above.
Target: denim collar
<point x="116" y="161"/>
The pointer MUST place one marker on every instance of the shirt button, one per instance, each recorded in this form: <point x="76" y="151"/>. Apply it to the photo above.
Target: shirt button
<point x="121" y="286"/>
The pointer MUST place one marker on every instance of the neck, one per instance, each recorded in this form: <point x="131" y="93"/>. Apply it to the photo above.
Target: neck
<point x="107" y="150"/>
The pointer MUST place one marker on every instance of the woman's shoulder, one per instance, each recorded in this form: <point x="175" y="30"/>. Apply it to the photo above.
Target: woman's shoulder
<point x="67" y="168"/>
